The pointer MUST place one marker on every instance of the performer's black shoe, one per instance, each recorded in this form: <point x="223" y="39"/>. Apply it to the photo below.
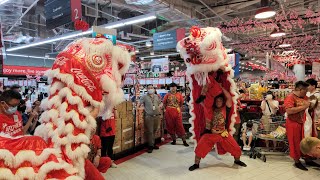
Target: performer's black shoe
<point x="240" y="163"/>
<point x="155" y="147"/>
<point x="200" y="99"/>
<point x="312" y="163"/>
<point x="300" y="166"/>
<point x="185" y="144"/>
<point x="173" y="142"/>
<point x="194" y="167"/>
<point x="150" y="149"/>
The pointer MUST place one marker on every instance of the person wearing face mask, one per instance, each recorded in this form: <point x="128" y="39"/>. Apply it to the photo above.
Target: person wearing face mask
<point x="173" y="102"/>
<point x="152" y="113"/>
<point x="296" y="103"/>
<point x="10" y="119"/>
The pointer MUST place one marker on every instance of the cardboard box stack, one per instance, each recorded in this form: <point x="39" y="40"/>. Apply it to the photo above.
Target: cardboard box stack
<point x="127" y="126"/>
<point x="117" y="141"/>
<point x="124" y="125"/>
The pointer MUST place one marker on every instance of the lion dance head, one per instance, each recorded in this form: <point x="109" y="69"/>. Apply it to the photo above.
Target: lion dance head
<point x="85" y="79"/>
<point x="207" y="66"/>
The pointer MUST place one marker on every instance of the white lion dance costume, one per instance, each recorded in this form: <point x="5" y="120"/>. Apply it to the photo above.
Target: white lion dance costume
<point x="85" y="78"/>
<point x="210" y="77"/>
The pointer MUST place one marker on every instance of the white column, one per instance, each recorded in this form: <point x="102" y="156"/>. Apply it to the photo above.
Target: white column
<point x="299" y="71"/>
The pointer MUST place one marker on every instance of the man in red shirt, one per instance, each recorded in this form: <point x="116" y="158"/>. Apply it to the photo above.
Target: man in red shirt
<point x="296" y="103"/>
<point x="173" y="102"/>
<point x="10" y="119"/>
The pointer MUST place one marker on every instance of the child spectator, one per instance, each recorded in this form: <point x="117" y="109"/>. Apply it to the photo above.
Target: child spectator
<point x="248" y="131"/>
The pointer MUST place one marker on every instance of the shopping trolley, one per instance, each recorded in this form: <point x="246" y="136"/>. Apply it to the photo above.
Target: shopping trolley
<point x="271" y="130"/>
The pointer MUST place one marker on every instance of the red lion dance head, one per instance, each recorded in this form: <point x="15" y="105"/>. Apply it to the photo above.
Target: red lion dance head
<point x="207" y="67"/>
<point x="85" y="79"/>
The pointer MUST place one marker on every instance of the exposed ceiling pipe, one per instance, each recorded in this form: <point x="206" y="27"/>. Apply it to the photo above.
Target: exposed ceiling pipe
<point x="24" y="13"/>
<point x="34" y="23"/>
<point x="212" y="10"/>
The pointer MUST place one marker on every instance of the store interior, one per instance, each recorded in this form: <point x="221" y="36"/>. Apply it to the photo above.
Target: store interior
<point x="258" y="50"/>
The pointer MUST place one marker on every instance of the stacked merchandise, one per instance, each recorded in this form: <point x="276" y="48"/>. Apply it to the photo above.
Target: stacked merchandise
<point x="140" y="133"/>
<point x="281" y="94"/>
<point x="124" y="125"/>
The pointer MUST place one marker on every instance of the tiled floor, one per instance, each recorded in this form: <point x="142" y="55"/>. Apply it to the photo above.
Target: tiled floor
<point x="172" y="162"/>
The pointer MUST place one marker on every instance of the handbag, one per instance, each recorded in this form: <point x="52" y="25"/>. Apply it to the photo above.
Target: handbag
<point x="272" y="115"/>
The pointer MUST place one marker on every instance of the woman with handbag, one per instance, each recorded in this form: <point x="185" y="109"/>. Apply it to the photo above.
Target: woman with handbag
<point x="269" y="107"/>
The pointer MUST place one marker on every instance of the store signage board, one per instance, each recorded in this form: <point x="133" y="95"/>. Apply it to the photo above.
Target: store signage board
<point x="60" y="12"/>
<point x="160" y="65"/>
<point x="23" y="70"/>
<point x="168" y="39"/>
<point x="110" y="34"/>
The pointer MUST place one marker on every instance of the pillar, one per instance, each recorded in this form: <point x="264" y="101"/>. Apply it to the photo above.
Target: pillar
<point x="299" y="71"/>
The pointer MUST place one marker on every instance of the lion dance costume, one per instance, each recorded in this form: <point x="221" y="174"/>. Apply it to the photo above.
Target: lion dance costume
<point x="208" y="71"/>
<point x="87" y="75"/>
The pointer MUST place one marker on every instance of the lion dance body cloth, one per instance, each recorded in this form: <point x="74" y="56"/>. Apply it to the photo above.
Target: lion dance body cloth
<point x="86" y="76"/>
<point x="207" y="71"/>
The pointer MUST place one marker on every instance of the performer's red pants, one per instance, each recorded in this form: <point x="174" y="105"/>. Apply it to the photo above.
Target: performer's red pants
<point x="93" y="173"/>
<point x="174" y="122"/>
<point x="294" y="135"/>
<point x="228" y="144"/>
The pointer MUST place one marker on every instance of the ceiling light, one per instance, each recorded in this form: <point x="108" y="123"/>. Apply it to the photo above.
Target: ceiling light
<point x="3" y="1"/>
<point x="277" y="33"/>
<point x="264" y="13"/>
<point x="160" y="55"/>
<point x="148" y="44"/>
<point x="137" y="50"/>
<point x="35" y="57"/>
<point x="116" y="24"/>
<point x="284" y="45"/>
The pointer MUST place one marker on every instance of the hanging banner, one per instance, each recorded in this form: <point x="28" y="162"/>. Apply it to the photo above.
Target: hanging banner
<point x="60" y="12"/>
<point x="168" y="39"/>
<point x="232" y="59"/>
<point x="23" y="70"/>
<point x="160" y="65"/>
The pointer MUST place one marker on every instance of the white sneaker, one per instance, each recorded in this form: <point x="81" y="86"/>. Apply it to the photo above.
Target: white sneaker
<point x="113" y="165"/>
<point x="246" y="148"/>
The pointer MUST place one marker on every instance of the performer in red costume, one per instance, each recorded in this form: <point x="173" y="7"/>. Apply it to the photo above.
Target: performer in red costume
<point x="296" y="104"/>
<point x="10" y="119"/>
<point x="95" y="164"/>
<point x="107" y="129"/>
<point x="172" y="104"/>
<point x="217" y="132"/>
